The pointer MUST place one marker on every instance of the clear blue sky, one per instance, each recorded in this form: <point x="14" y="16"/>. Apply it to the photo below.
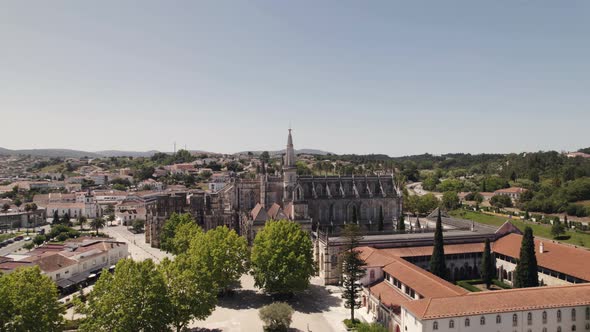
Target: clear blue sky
<point x="351" y="76"/>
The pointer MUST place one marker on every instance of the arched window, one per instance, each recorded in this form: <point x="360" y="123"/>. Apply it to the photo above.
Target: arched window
<point x="587" y="313"/>
<point x="573" y="315"/>
<point x="544" y="329"/>
<point x="466" y="321"/>
<point x="558" y="316"/>
<point x="372" y="277"/>
<point x="451" y="324"/>
<point x="498" y="319"/>
<point x="482" y="320"/>
<point x="435" y="326"/>
<point x="529" y="318"/>
<point x="559" y="329"/>
<point x="514" y="320"/>
<point x="544" y="317"/>
<point x="573" y="327"/>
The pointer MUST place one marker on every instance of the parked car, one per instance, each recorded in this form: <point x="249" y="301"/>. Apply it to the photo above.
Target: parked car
<point x="28" y="238"/>
<point x="18" y="238"/>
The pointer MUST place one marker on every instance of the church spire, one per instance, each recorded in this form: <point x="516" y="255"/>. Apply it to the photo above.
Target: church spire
<point x="290" y="153"/>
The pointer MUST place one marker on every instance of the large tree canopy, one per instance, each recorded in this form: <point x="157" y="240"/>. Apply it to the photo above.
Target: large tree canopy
<point x="224" y="252"/>
<point x="282" y="258"/>
<point x="28" y="302"/>
<point x="132" y="299"/>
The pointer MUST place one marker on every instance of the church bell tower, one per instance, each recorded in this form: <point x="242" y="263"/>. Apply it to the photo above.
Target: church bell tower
<point x="289" y="170"/>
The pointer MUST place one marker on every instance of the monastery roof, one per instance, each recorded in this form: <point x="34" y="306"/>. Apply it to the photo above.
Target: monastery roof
<point x="275" y="212"/>
<point x="450" y="249"/>
<point x="509" y="300"/>
<point x="555" y="256"/>
<point x="389" y="296"/>
<point x="423" y="282"/>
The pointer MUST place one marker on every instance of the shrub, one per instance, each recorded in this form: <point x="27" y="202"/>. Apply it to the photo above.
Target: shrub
<point x="276" y="316"/>
<point x="373" y="327"/>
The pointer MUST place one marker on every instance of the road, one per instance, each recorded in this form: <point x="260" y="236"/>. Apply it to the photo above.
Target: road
<point x="138" y="249"/>
<point x="17" y="245"/>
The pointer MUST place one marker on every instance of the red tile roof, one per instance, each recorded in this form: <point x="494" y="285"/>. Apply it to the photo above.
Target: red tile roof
<point x="557" y="257"/>
<point x="501" y="301"/>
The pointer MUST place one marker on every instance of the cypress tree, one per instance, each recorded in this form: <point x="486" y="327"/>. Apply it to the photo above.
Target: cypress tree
<point x="55" y="217"/>
<point x="401" y="224"/>
<point x="488" y="267"/>
<point x="437" y="260"/>
<point x="527" y="274"/>
<point x="418" y="225"/>
<point x="565" y="222"/>
<point x="380" y="225"/>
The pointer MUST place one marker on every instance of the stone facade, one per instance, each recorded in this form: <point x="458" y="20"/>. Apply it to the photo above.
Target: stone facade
<point x="325" y="202"/>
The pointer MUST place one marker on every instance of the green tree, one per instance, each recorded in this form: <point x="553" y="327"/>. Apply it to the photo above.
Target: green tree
<point x="488" y="266"/>
<point x="18" y="202"/>
<point x="189" y="288"/>
<point x="437" y="260"/>
<point x="224" y="252"/>
<point x="282" y="258"/>
<point x="134" y="298"/>
<point x="401" y="224"/>
<point x="138" y="225"/>
<point x="82" y="220"/>
<point x="380" y="224"/>
<point x="372" y="327"/>
<point x="5" y="207"/>
<point x="29" y="302"/>
<point x="352" y="269"/>
<point x="501" y="201"/>
<point x="276" y="316"/>
<point x="97" y="224"/>
<point x="557" y="229"/>
<point x="55" y="219"/>
<point x="427" y="203"/>
<point x="65" y="220"/>
<point x="527" y="274"/>
<point x="170" y="228"/>
<point x="39" y="239"/>
<point x="265" y="157"/>
<point x="450" y="200"/>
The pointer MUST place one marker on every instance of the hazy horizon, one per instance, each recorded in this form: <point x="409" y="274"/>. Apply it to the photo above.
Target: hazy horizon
<point x="379" y="77"/>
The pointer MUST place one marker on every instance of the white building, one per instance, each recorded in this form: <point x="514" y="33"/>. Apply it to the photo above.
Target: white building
<point x="402" y="295"/>
<point x="539" y="309"/>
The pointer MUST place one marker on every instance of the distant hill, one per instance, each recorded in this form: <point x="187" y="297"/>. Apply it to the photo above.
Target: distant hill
<point x="134" y="154"/>
<point x="64" y="153"/>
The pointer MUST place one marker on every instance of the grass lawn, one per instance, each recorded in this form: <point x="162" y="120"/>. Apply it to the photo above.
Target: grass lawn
<point x="476" y="285"/>
<point x="540" y="230"/>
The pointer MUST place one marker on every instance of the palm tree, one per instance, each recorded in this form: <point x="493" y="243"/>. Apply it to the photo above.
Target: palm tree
<point x="97" y="224"/>
<point x="111" y="218"/>
<point x="81" y="221"/>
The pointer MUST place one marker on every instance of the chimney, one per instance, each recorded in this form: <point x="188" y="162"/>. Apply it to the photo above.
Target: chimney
<point x="541" y="250"/>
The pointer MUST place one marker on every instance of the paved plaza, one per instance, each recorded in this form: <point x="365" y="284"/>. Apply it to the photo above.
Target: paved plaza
<point x="318" y="309"/>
